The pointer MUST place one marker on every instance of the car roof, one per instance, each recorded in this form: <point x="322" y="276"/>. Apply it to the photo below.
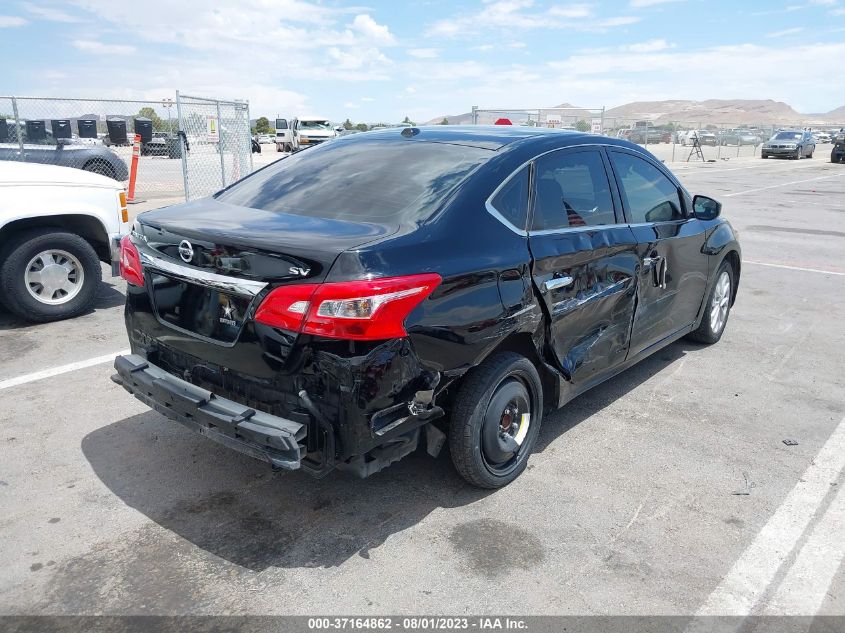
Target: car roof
<point x="485" y="136"/>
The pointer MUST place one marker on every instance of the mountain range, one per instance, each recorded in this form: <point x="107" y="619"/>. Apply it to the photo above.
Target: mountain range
<point x="711" y="111"/>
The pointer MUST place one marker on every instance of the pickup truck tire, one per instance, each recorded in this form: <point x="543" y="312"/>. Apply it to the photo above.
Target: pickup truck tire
<point x="496" y="399"/>
<point x="99" y="166"/>
<point x="74" y="270"/>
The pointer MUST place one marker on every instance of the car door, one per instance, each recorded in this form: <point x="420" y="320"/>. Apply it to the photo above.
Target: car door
<point x="584" y="262"/>
<point x="672" y="275"/>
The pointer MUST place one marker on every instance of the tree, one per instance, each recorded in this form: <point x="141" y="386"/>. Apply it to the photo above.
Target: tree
<point x="262" y="125"/>
<point x="362" y="127"/>
<point x="407" y="120"/>
<point x="582" y="126"/>
<point x="445" y="121"/>
<point x="348" y="125"/>
<point x="150" y="113"/>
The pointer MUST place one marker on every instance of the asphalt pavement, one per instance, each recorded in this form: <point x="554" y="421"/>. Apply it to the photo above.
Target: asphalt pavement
<point x="668" y="490"/>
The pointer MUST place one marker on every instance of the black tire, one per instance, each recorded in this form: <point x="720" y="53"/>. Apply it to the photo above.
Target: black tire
<point x="507" y="381"/>
<point x="706" y="332"/>
<point x="13" y="270"/>
<point x="99" y="166"/>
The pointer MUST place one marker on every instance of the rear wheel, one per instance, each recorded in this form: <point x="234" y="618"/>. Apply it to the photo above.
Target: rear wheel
<point x="718" y="307"/>
<point x="50" y="275"/>
<point x="496" y="420"/>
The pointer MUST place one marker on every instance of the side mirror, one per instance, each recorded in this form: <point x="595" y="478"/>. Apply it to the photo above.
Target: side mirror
<point x="704" y="208"/>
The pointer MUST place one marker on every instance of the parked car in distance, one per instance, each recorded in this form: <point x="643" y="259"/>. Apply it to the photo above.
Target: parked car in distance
<point x="737" y="137"/>
<point x="821" y="138"/>
<point x="790" y="144"/>
<point x="706" y="137"/>
<point x="163" y="144"/>
<point x="56" y="225"/>
<point x="686" y="137"/>
<point x="264" y="139"/>
<point x="644" y="135"/>
<point x="837" y="153"/>
<point x="315" y="330"/>
<point x="64" y="152"/>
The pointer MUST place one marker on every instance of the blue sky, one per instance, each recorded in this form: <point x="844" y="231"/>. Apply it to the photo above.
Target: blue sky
<point x="380" y="60"/>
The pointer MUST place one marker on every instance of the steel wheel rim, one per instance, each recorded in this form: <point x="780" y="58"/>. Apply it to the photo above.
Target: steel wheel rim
<point x="506" y="426"/>
<point x="721" y="302"/>
<point x="54" y="277"/>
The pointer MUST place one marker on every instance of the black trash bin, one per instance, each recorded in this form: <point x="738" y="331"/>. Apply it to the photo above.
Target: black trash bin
<point x="144" y="128"/>
<point x="174" y="147"/>
<point x="61" y="128"/>
<point x="87" y="128"/>
<point x="4" y="131"/>
<point x="117" y="131"/>
<point x="36" y="132"/>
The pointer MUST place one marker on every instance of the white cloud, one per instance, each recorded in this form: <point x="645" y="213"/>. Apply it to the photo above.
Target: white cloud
<point x="373" y="31"/>
<point x="510" y="15"/>
<point x="93" y="46"/>
<point x="351" y="104"/>
<point x="50" y="14"/>
<point x="838" y="12"/>
<point x="792" y="31"/>
<point x="638" y="4"/>
<point x="367" y="99"/>
<point x="11" y="20"/>
<point x="423" y="53"/>
<point x="651" y="46"/>
<point x="823" y="3"/>
<point x="622" y="20"/>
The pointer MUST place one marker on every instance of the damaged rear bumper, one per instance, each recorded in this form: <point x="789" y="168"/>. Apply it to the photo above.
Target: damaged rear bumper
<point x="270" y="438"/>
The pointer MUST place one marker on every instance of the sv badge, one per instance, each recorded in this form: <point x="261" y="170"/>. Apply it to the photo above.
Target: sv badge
<point x="296" y="270"/>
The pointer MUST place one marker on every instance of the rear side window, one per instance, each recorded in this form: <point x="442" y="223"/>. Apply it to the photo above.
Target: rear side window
<point x="571" y="190"/>
<point x="512" y="200"/>
<point x="650" y="195"/>
<point x="359" y="180"/>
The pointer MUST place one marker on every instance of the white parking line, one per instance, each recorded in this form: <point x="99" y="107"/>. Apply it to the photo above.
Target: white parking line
<point x="804" y="588"/>
<point x="62" y="369"/>
<point x="753" y="572"/>
<point x="802" y="269"/>
<point x="783" y="184"/>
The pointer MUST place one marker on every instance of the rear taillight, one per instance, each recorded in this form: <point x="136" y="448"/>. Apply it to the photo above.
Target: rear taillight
<point x="372" y="309"/>
<point x="130" y="263"/>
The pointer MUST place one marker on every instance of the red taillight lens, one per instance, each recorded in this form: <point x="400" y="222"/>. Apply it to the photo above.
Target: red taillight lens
<point x="130" y="263"/>
<point x="372" y="309"/>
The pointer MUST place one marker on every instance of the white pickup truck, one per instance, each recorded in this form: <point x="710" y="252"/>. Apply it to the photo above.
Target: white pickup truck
<point x="56" y="225"/>
<point x="302" y="132"/>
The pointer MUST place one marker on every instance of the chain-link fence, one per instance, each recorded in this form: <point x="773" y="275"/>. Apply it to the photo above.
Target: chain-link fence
<point x="670" y="141"/>
<point x="190" y="146"/>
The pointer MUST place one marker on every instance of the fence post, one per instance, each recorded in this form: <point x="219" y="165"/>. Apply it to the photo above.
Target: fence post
<point x="602" y="122"/>
<point x="220" y="137"/>
<point x="251" y="167"/>
<point x="18" y="130"/>
<point x="184" y="146"/>
<point x="475" y="115"/>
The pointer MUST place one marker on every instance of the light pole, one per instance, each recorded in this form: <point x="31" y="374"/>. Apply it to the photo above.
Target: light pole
<point x="168" y="103"/>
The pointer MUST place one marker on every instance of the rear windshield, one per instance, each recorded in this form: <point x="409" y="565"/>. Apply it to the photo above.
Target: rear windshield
<point x="359" y="180"/>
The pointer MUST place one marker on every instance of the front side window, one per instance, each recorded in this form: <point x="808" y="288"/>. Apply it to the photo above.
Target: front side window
<point x="512" y="200"/>
<point x="571" y="190"/>
<point x="650" y="195"/>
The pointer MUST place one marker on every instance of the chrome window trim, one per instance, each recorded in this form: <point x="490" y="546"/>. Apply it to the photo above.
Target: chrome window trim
<point x="235" y="285"/>
<point x="576" y="229"/>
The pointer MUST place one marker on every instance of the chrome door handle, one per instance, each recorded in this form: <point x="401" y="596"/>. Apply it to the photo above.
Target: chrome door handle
<point x="650" y="261"/>
<point x="558" y="282"/>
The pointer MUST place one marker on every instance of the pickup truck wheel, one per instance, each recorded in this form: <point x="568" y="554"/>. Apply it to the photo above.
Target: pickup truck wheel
<point x="496" y="420"/>
<point x="718" y="307"/>
<point x="50" y="275"/>
<point x="99" y="166"/>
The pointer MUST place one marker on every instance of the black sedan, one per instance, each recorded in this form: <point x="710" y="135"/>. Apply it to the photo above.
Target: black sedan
<point x="339" y="308"/>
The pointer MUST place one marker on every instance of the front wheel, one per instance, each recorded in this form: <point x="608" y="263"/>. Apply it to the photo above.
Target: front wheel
<point x="496" y="420"/>
<point x="50" y="275"/>
<point x="718" y="307"/>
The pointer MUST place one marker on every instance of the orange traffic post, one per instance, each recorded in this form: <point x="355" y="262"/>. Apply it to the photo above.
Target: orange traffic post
<point x="133" y="169"/>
